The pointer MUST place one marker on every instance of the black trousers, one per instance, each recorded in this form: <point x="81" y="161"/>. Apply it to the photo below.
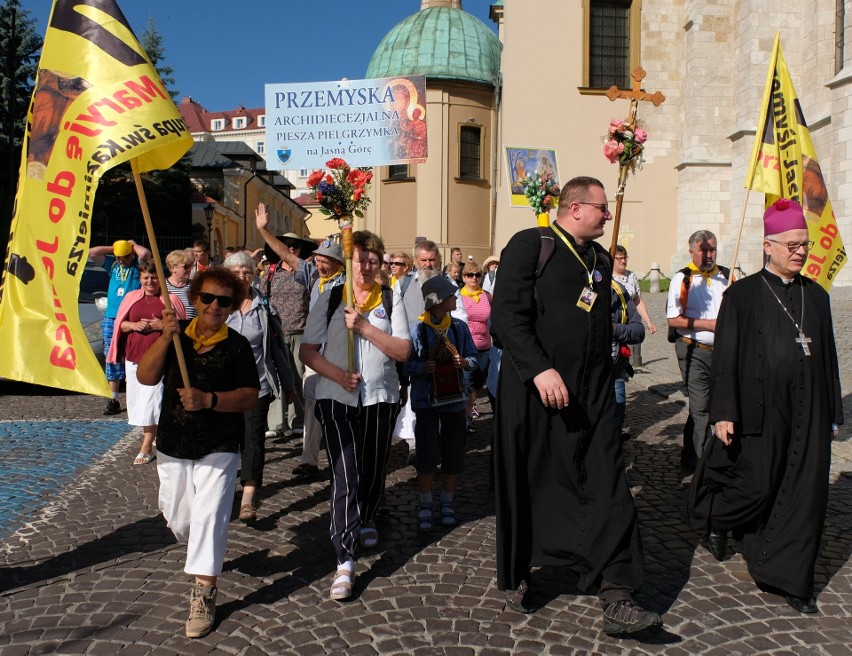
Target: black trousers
<point x="254" y="443"/>
<point x="357" y="440"/>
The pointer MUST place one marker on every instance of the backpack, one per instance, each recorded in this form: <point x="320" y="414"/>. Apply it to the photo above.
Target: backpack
<point x="672" y="333"/>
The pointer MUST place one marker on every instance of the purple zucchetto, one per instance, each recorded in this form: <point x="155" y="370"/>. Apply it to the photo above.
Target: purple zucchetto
<point x="783" y="215"/>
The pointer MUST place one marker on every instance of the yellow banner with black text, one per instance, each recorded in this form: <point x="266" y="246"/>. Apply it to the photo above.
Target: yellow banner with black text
<point x="784" y="165"/>
<point x="97" y="102"/>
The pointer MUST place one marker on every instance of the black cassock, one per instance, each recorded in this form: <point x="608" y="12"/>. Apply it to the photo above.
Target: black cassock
<point x="771" y="484"/>
<point x="561" y="491"/>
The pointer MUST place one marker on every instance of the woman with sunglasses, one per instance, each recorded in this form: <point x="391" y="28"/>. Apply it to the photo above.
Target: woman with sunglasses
<point x="356" y="409"/>
<point x="477" y="303"/>
<point x="259" y="324"/>
<point x="201" y="429"/>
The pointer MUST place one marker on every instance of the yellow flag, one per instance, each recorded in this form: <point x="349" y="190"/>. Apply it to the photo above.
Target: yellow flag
<point x="784" y="165"/>
<point x="97" y="102"/>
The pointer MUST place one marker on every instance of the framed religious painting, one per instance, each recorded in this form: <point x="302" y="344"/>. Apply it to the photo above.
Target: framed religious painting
<point x="522" y="162"/>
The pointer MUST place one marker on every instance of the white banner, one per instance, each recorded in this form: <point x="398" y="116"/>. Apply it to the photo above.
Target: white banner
<point x="366" y="122"/>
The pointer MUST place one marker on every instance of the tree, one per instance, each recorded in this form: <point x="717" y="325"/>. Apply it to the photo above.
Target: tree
<point x="20" y="46"/>
<point x="152" y="42"/>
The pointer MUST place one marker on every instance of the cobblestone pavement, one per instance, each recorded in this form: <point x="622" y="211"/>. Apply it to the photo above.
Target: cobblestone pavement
<point x="96" y="571"/>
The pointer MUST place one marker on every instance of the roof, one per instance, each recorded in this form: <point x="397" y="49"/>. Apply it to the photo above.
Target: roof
<point x="198" y="119"/>
<point x="439" y="42"/>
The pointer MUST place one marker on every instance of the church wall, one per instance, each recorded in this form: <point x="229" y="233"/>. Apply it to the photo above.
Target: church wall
<point x="557" y="115"/>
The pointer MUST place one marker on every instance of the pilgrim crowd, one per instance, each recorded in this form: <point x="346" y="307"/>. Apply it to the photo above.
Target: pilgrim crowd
<point x="272" y="342"/>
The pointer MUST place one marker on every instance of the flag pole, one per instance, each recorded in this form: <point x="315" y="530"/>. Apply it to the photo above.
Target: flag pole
<point x="739" y="237"/>
<point x="155" y="252"/>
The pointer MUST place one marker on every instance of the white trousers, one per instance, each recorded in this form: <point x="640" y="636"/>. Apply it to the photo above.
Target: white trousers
<point x="143" y="401"/>
<point x="404" y="429"/>
<point x="312" y="436"/>
<point x="196" y="497"/>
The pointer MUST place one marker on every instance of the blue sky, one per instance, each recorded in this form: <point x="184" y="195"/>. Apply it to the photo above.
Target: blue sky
<point x="224" y="51"/>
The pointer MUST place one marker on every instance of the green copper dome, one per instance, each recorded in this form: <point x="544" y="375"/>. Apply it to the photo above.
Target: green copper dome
<point x="439" y="42"/>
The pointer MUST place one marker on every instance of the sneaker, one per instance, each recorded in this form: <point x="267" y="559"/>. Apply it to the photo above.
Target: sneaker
<point x="270" y="434"/>
<point x="202" y="610"/>
<point x="520" y="599"/>
<point x="113" y="407"/>
<point x="622" y="617"/>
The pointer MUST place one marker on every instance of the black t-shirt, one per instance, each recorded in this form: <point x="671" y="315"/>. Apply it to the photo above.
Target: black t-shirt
<point x="229" y="365"/>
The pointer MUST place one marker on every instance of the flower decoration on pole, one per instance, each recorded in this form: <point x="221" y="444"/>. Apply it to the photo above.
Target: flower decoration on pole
<point x="625" y="144"/>
<point x="542" y="193"/>
<point x="341" y="192"/>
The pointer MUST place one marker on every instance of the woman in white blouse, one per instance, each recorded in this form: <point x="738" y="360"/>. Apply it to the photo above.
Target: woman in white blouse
<point x="356" y="409"/>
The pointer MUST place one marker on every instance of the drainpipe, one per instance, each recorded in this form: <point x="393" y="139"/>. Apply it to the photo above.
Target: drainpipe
<point x="495" y="161"/>
<point x="245" y="208"/>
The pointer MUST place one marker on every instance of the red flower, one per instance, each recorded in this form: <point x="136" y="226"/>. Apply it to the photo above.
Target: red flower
<point x="356" y="195"/>
<point x="337" y="163"/>
<point x="314" y="178"/>
<point x="320" y="197"/>
<point x="357" y="177"/>
<point x="329" y="179"/>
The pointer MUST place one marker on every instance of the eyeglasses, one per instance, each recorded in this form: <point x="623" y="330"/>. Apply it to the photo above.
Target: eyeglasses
<point x="793" y="246"/>
<point x="207" y="299"/>
<point x="397" y="263"/>
<point x="621" y="259"/>
<point x="124" y="257"/>
<point x="603" y="207"/>
<point x="473" y="275"/>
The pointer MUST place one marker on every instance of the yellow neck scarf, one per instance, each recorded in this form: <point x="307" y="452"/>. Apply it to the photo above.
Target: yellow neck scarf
<point x="200" y="342"/>
<point x="440" y="328"/>
<point x="324" y="281"/>
<point x="372" y="301"/>
<point x="392" y="281"/>
<point x="474" y="295"/>
<point x="704" y="274"/>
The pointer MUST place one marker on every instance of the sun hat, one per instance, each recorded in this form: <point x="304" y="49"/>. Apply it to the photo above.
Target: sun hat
<point x="436" y="290"/>
<point x="330" y="249"/>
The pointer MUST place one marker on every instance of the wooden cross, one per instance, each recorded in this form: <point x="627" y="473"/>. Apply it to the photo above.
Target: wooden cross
<point x="634" y="96"/>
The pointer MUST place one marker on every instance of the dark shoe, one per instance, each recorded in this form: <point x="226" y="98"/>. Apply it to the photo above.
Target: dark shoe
<point x="802" y="604"/>
<point x="519" y="599"/>
<point x="113" y="407"/>
<point x="717" y="544"/>
<point x="304" y="470"/>
<point x="622" y="617"/>
<point x="469" y="425"/>
<point x="625" y="436"/>
<point x="248" y="513"/>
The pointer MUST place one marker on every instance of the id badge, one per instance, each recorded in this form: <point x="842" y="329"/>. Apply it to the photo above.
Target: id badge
<point x="119" y="292"/>
<point x="587" y="299"/>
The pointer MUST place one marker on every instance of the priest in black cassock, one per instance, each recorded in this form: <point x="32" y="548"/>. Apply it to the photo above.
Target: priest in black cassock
<point x="562" y="496"/>
<point x="775" y="402"/>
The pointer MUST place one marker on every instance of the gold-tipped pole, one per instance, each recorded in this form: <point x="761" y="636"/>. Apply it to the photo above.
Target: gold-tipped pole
<point x="155" y="252"/>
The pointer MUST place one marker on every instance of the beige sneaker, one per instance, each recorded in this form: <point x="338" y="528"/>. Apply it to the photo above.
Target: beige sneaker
<point x="202" y="610"/>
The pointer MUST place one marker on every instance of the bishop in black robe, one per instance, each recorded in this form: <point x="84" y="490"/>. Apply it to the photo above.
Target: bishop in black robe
<point x="562" y="496"/>
<point x="770" y="485"/>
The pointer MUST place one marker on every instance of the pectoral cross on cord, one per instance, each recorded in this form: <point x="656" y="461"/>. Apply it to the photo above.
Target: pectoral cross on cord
<point x="803" y="340"/>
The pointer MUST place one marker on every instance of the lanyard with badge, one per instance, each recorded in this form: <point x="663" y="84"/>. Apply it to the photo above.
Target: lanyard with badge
<point x="588" y="296"/>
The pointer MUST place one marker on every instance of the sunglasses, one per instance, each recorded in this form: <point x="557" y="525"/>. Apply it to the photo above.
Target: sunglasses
<point x="397" y="263"/>
<point x="207" y="299"/>
<point x="473" y="275"/>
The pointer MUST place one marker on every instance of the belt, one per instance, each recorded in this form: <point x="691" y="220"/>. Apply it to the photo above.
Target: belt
<point x="692" y="342"/>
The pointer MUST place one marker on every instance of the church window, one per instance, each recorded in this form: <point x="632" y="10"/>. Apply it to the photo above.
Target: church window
<point x="470" y="151"/>
<point x="398" y="172"/>
<point x="612" y="42"/>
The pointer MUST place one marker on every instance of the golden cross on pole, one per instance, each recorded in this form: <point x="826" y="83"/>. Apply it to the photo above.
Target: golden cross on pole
<point x="634" y="96"/>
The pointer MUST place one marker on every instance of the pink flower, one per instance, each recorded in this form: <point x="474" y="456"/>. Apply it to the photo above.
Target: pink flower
<point x="641" y="135"/>
<point x="616" y="125"/>
<point x="612" y="150"/>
